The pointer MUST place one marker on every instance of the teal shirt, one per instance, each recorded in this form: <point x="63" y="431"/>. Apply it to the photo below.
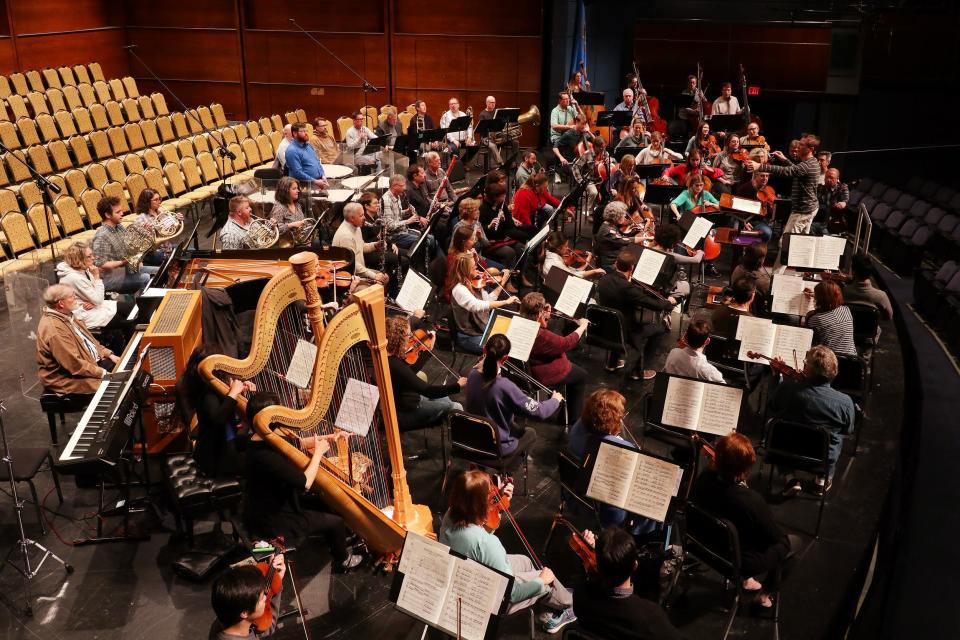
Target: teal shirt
<point x="560" y="116"/>
<point x="480" y="545"/>
<point x="684" y="203"/>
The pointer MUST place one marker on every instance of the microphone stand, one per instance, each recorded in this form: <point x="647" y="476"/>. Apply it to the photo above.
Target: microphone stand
<point x="45" y="187"/>
<point x="222" y="149"/>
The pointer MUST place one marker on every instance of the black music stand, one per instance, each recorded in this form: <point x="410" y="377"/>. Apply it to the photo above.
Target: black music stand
<point x="619" y="152"/>
<point x="649" y="172"/>
<point x="401" y="143"/>
<point x="728" y="122"/>
<point x="686" y="221"/>
<point x="553" y="284"/>
<point x="614" y="119"/>
<point x="590" y="98"/>
<point x="428" y="136"/>
<point x="459" y="124"/>
<point x="507" y="115"/>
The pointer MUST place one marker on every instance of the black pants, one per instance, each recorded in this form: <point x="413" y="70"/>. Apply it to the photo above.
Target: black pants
<point x="576" y="387"/>
<point x="524" y="444"/>
<point x="504" y="254"/>
<point x="649" y="338"/>
<point x="312" y="520"/>
<point x="770" y="562"/>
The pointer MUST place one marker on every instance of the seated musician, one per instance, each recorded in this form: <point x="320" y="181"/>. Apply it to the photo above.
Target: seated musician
<point x="656" y="153"/>
<point x="626" y="169"/>
<point x="93" y="307"/>
<point x="302" y="161"/>
<point x="69" y="358"/>
<point x="704" y="142"/>
<point x="861" y="289"/>
<point x="727" y="103"/>
<point x="470" y="303"/>
<point x="831" y="320"/>
<point x="528" y="166"/>
<point x="693" y="166"/>
<point x="287" y="212"/>
<point x="149" y="206"/>
<point x="607" y="605"/>
<point x="239" y="598"/>
<point x="758" y="188"/>
<point x="556" y="252"/>
<point x="416" y="190"/>
<point x="386" y="261"/>
<point x="233" y="235"/>
<point x="730" y="162"/>
<point x="434" y="177"/>
<point x="404" y="225"/>
<point x="458" y="139"/>
<point x="488" y="112"/>
<point x="277" y="502"/>
<point x="689" y="360"/>
<point x="499" y="253"/>
<point x="565" y="148"/>
<point x="110" y="251"/>
<point x="726" y="317"/>
<point x="823" y="159"/>
<point x="323" y="143"/>
<point x="587" y="167"/>
<point x="280" y="161"/>
<point x="464" y="529"/>
<point x="356" y="140"/>
<point x="419" y="404"/>
<point x="464" y="242"/>
<point x="833" y="216"/>
<point x="753" y="137"/>
<point x="389" y="129"/>
<point x="723" y="492"/>
<point x="813" y="401"/>
<point x="348" y="236"/>
<point x="533" y="204"/>
<point x="610" y="239"/>
<point x="498" y="222"/>
<point x="628" y="103"/>
<point x="548" y="360"/>
<point x="751" y="267"/>
<point x="693" y="197"/>
<point x="618" y="291"/>
<point x="631" y="192"/>
<point x="666" y="239"/>
<point x="638" y="137"/>
<point x="562" y="118"/>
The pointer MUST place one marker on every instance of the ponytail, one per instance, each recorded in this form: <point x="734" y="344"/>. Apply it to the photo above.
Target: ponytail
<point x="497" y="347"/>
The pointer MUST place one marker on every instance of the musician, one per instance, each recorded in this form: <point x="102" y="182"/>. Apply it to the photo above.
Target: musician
<point x="726" y="317"/>
<point x="463" y="530"/>
<point x="565" y="148"/>
<point x="233" y="235"/>
<point x="287" y="212"/>
<point x="656" y="153"/>
<point x="470" y="303"/>
<point x="689" y="360"/>
<point x="753" y="137"/>
<point x="489" y="111"/>
<point x="823" y="159"/>
<point x="609" y="240"/>
<point x="562" y="118"/>
<point x="390" y="129"/>
<point x="631" y="192"/>
<point x="93" y="307"/>
<point x="556" y="250"/>
<point x="463" y="241"/>
<point x="323" y="143"/>
<point x="705" y="142"/>
<point x="239" y="597"/>
<point x="831" y="320"/>
<point x="694" y="196"/>
<point x="626" y="169"/>
<point x="277" y="498"/>
<point x="607" y="606"/>
<point x="435" y="176"/>
<point x="387" y="261"/>
<point x="302" y="161"/>
<point x="813" y="401"/>
<point x="628" y="103"/>
<point x="548" y="360"/>
<point x="693" y="166"/>
<point x="418" y="404"/>
<point x="148" y="206"/>
<point x="638" y="136"/>
<point x="586" y="167"/>
<point x="348" y="236"/>
<point x="498" y="223"/>
<point x="751" y="267"/>
<point x="727" y="103"/>
<point x="576" y="83"/>
<point x="111" y="254"/>
<point x="356" y="140"/>
<point x="503" y="253"/>
<point x="421" y="117"/>
<point x="527" y="167"/>
<point x="803" y="195"/>
<point x="832" y="197"/>
<point x="730" y="162"/>
<point x="533" y="203"/>
<point x="666" y="239"/>
<point x="861" y="290"/>
<point x="723" y="491"/>
<point x="416" y="190"/>
<point x="692" y="91"/>
<point x="69" y="358"/>
<point x="404" y="226"/>
<point x="618" y="291"/>
<point x="280" y="162"/>
<point x="758" y="188"/>
<point x="457" y="139"/>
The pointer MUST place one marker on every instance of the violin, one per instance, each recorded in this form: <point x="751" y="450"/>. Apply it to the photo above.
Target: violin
<point x="576" y="258"/>
<point x="837" y="276"/>
<point x="778" y="366"/>
<point x="420" y="340"/>
<point x="740" y="155"/>
<point x="274" y="585"/>
<point x="708" y="145"/>
<point x="579" y="545"/>
<point x="768" y="197"/>
<point x="326" y="278"/>
<point x="497" y="504"/>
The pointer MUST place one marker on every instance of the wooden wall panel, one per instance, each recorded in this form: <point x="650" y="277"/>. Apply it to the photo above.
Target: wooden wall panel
<point x="185" y="14"/>
<point x="8" y="60"/>
<point x="316" y="15"/>
<point x="198" y="54"/>
<point x="292" y="58"/>
<point x="280" y="98"/>
<point x="104" y="46"/>
<point x="493" y="17"/>
<point x="52" y="16"/>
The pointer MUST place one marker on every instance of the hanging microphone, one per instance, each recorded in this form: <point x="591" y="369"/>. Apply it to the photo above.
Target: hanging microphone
<point x="130" y="47"/>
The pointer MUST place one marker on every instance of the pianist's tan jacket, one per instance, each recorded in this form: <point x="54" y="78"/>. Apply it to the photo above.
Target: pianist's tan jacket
<point x="65" y="364"/>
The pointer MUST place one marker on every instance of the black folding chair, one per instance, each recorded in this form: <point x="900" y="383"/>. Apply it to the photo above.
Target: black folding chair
<point x="798" y="447"/>
<point x="476" y="440"/>
<point x="606" y="331"/>
<point x="853" y="379"/>
<point x="569" y="470"/>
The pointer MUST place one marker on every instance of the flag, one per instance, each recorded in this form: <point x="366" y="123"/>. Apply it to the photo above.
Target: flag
<point x="578" y="56"/>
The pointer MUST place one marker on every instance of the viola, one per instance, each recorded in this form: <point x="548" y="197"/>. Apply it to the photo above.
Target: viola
<point x="274" y="585"/>
<point x="420" y="340"/>
<point x="587" y="554"/>
<point x="326" y="278"/>
<point x="707" y="449"/>
<point x="778" y="366"/>
<point x="708" y="145"/>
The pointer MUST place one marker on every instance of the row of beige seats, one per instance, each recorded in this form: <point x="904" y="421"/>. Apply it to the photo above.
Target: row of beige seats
<point x="68" y="98"/>
<point x="22" y="83"/>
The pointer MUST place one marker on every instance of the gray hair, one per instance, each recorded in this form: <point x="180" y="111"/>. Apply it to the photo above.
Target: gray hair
<point x="398" y="178"/>
<point x="614" y="211"/>
<point x="431" y="155"/>
<point x="57" y="292"/>
<point x="351" y="208"/>
<point x="628" y="90"/>
<point x="822" y="361"/>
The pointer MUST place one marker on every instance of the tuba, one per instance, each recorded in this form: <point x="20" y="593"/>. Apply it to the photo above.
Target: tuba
<point x="513" y="130"/>
<point x="262" y="234"/>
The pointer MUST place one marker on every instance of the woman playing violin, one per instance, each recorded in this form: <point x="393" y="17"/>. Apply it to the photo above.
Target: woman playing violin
<point x="656" y="153"/>
<point x="611" y="239"/>
<point x="696" y="198"/>
<point x="730" y="162"/>
<point x="693" y="166"/>
<point x="557" y="253"/>
<point x="704" y="141"/>
<point x="470" y="303"/>
<point x="758" y="188"/>
<point x="464" y="243"/>
<point x="463" y="530"/>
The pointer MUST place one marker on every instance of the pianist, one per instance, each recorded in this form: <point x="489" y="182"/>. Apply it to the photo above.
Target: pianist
<point x="69" y="358"/>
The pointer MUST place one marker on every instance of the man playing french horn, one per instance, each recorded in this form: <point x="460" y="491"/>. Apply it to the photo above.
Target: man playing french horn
<point x="235" y="232"/>
<point x="111" y="253"/>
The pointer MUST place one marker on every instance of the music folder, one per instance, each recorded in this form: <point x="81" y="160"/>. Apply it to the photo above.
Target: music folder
<point x="521" y="332"/>
<point x="655" y="269"/>
<point x="559" y="294"/>
<point x="696" y="229"/>
<point x="695" y="405"/>
<point x="743" y="208"/>
<point x="818" y="253"/>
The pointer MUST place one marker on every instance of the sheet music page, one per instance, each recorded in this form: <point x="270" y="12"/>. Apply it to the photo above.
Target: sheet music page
<point x="649" y="266"/>
<point x="300" y="370"/>
<point x="357" y="407"/>
<point x="698" y="230"/>
<point x="790" y="340"/>
<point x="522" y="334"/>
<point x="612" y="474"/>
<point x="415" y="291"/>
<point x="575" y="292"/>
<point x="480" y="590"/>
<point x="427" y="567"/>
<point x="537" y="237"/>
<point x="755" y="334"/>
<point x="829" y="251"/>
<point x="746" y="205"/>
<point x="787" y="292"/>
<point x="721" y="409"/>
<point x="653" y="485"/>
<point x="802" y="251"/>
<point x="682" y="403"/>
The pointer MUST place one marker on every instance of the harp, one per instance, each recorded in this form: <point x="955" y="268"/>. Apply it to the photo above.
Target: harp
<point x="362" y="477"/>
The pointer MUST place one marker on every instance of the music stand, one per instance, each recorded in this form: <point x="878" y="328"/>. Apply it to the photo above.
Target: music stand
<point x="431" y="225"/>
<point x="430" y="135"/>
<point x="459" y="124"/>
<point x="590" y="98"/>
<point x="649" y="172"/>
<point x="686" y="221"/>
<point x="507" y="115"/>
<point x="662" y="193"/>
<point x="619" y="152"/>
<point x="553" y="284"/>
<point x="728" y="122"/>
<point x="614" y="118"/>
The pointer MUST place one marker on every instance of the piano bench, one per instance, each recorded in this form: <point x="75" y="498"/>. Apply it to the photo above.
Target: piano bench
<point x="26" y="466"/>
<point x="56" y="403"/>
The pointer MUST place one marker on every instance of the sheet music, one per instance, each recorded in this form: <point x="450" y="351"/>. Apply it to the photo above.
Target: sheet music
<point x="829" y="251"/>
<point x="654" y="483"/>
<point x="721" y="409"/>
<point x="790" y="340"/>
<point x="649" y="266"/>
<point x="537" y="238"/>
<point x="357" y="407"/>
<point x="802" y="251"/>
<point x="612" y="475"/>
<point x="427" y="567"/>
<point x="746" y="205"/>
<point x="415" y="292"/>
<point x="576" y="291"/>
<point x="522" y="334"/>
<point x="697" y="232"/>
<point x="480" y="590"/>
<point x="787" y="292"/>
<point x="755" y="334"/>
<point x="300" y="370"/>
<point x="682" y="403"/>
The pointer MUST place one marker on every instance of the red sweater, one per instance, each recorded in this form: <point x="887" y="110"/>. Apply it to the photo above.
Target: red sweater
<point x="526" y="202"/>
<point x="548" y="358"/>
<point x="679" y="172"/>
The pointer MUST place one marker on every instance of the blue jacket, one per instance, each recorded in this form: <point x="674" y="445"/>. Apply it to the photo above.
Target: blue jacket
<point x="302" y="162"/>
